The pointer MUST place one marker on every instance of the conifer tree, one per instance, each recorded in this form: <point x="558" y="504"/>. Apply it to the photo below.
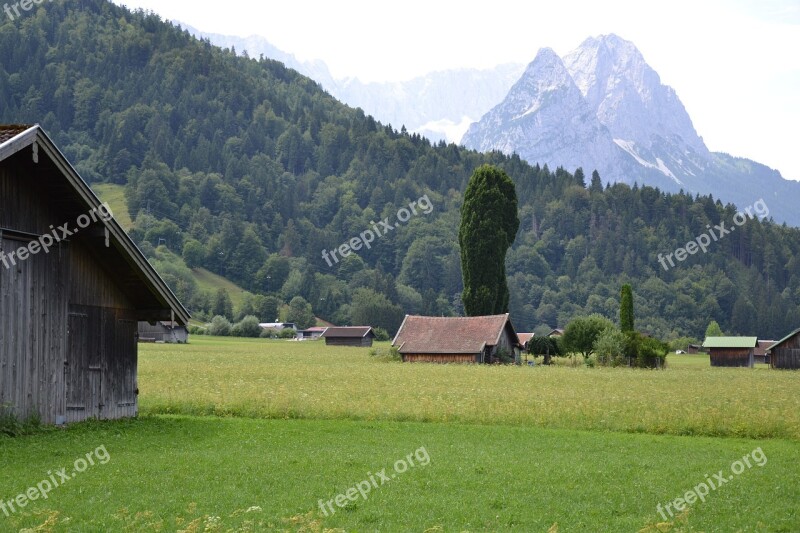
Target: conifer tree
<point x="489" y="223"/>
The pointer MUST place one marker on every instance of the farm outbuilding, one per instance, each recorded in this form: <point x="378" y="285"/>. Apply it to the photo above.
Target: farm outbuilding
<point x="478" y="339"/>
<point x="760" y="354"/>
<point x="731" y="351"/>
<point x="785" y="353"/>
<point x="163" y="331"/>
<point x="311" y="333"/>
<point x="73" y="287"/>
<point x="361" y="336"/>
<point x="524" y="339"/>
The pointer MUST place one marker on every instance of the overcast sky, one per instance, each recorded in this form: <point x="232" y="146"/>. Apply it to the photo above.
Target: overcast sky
<point x="735" y="64"/>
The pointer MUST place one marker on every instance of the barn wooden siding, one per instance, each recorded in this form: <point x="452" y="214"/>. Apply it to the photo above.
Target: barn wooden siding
<point x="440" y="358"/>
<point x="361" y="342"/>
<point x="67" y="333"/>
<point x="731" y="357"/>
<point x="787" y="355"/>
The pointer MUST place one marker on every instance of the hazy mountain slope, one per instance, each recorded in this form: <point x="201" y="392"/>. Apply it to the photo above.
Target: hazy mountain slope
<point x="256" y="46"/>
<point x="439" y="105"/>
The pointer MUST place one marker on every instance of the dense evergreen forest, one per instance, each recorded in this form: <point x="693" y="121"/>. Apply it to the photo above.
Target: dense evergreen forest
<point x="249" y="169"/>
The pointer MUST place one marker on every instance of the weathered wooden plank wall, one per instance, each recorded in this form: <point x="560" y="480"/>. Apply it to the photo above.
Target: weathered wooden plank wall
<point x="67" y="331"/>
<point x="439" y="358"/>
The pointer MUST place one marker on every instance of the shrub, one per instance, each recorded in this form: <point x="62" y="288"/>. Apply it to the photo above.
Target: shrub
<point x="220" y="326"/>
<point x="505" y="357"/>
<point x="247" y="327"/>
<point x="646" y="352"/>
<point x="381" y="335"/>
<point x="610" y="347"/>
<point x="287" y="333"/>
<point x="268" y="333"/>
<point x="390" y="355"/>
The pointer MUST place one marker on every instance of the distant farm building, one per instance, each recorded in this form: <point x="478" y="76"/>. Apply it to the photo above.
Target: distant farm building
<point x="760" y="353"/>
<point x="786" y="352"/>
<point x="731" y="351"/>
<point x="361" y="336"/>
<point x="480" y="339"/>
<point x="73" y="288"/>
<point x="556" y="333"/>
<point x="311" y="333"/>
<point x="163" y="331"/>
<point x="524" y="339"/>
<point x="694" y="349"/>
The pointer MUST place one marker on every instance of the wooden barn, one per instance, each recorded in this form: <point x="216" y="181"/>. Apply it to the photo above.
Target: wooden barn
<point x="73" y="287"/>
<point x="760" y="354"/>
<point x="524" y="339"/>
<point x="163" y="331"/>
<point x="361" y="336"/>
<point x="785" y="353"/>
<point x="479" y="339"/>
<point x="731" y="351"/>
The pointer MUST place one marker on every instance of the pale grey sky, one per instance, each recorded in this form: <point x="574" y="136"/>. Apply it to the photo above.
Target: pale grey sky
<point x="734" y="64"/>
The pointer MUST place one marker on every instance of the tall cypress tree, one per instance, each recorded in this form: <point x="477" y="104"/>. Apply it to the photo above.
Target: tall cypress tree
<point x="626" y="309"/>
<point x="489" y="223"/>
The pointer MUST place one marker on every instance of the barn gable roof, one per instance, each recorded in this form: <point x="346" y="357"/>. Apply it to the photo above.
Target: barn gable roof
<point x="350" y="332"/>
<point x="730" y="342"/>
<point x="451" y="335"/>
<point x="786" y="338"/>
<point x="525" y="337"/>
<point x="134" y="273"/>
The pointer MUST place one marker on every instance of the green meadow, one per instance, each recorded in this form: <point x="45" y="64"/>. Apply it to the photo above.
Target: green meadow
<point x="255" y="435"/>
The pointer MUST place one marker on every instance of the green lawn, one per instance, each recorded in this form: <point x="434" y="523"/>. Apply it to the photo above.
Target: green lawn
<point x="204" y="474"/>
<point x="509" y="448"/>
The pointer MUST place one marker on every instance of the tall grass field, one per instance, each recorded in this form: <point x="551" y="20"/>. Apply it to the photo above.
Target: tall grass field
<point x="259" y="435"/>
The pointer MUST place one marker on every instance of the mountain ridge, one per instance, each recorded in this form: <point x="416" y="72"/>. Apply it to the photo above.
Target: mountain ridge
<point x="656" y="142"/>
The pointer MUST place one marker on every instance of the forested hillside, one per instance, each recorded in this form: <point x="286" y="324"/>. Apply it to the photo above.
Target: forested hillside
<point x="250" y="170"/>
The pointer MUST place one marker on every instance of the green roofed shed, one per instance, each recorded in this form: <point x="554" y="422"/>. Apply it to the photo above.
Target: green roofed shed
<point x="731" y="351"/>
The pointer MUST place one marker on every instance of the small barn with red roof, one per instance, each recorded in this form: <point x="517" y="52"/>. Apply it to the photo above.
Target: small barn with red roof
<point x="478" y="339"/>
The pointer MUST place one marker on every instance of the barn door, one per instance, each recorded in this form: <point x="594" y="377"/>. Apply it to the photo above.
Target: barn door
<point x="82" y="370"/>
<point x="122" y="369"/>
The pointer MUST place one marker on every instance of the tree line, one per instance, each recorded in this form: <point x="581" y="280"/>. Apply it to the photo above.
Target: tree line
<point x="248" y="169"/>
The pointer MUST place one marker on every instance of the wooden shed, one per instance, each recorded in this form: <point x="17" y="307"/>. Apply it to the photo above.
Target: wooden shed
<point x="760" y="354"/>
<point x="786" y="352"/>
<point x="73" y="287"/>
<point x="163" y="331"/>
<point x="479" y="339"/>
<point x="361" y="336"/>
<point x="524" y="339"/>
<point x="731" y="351"/>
